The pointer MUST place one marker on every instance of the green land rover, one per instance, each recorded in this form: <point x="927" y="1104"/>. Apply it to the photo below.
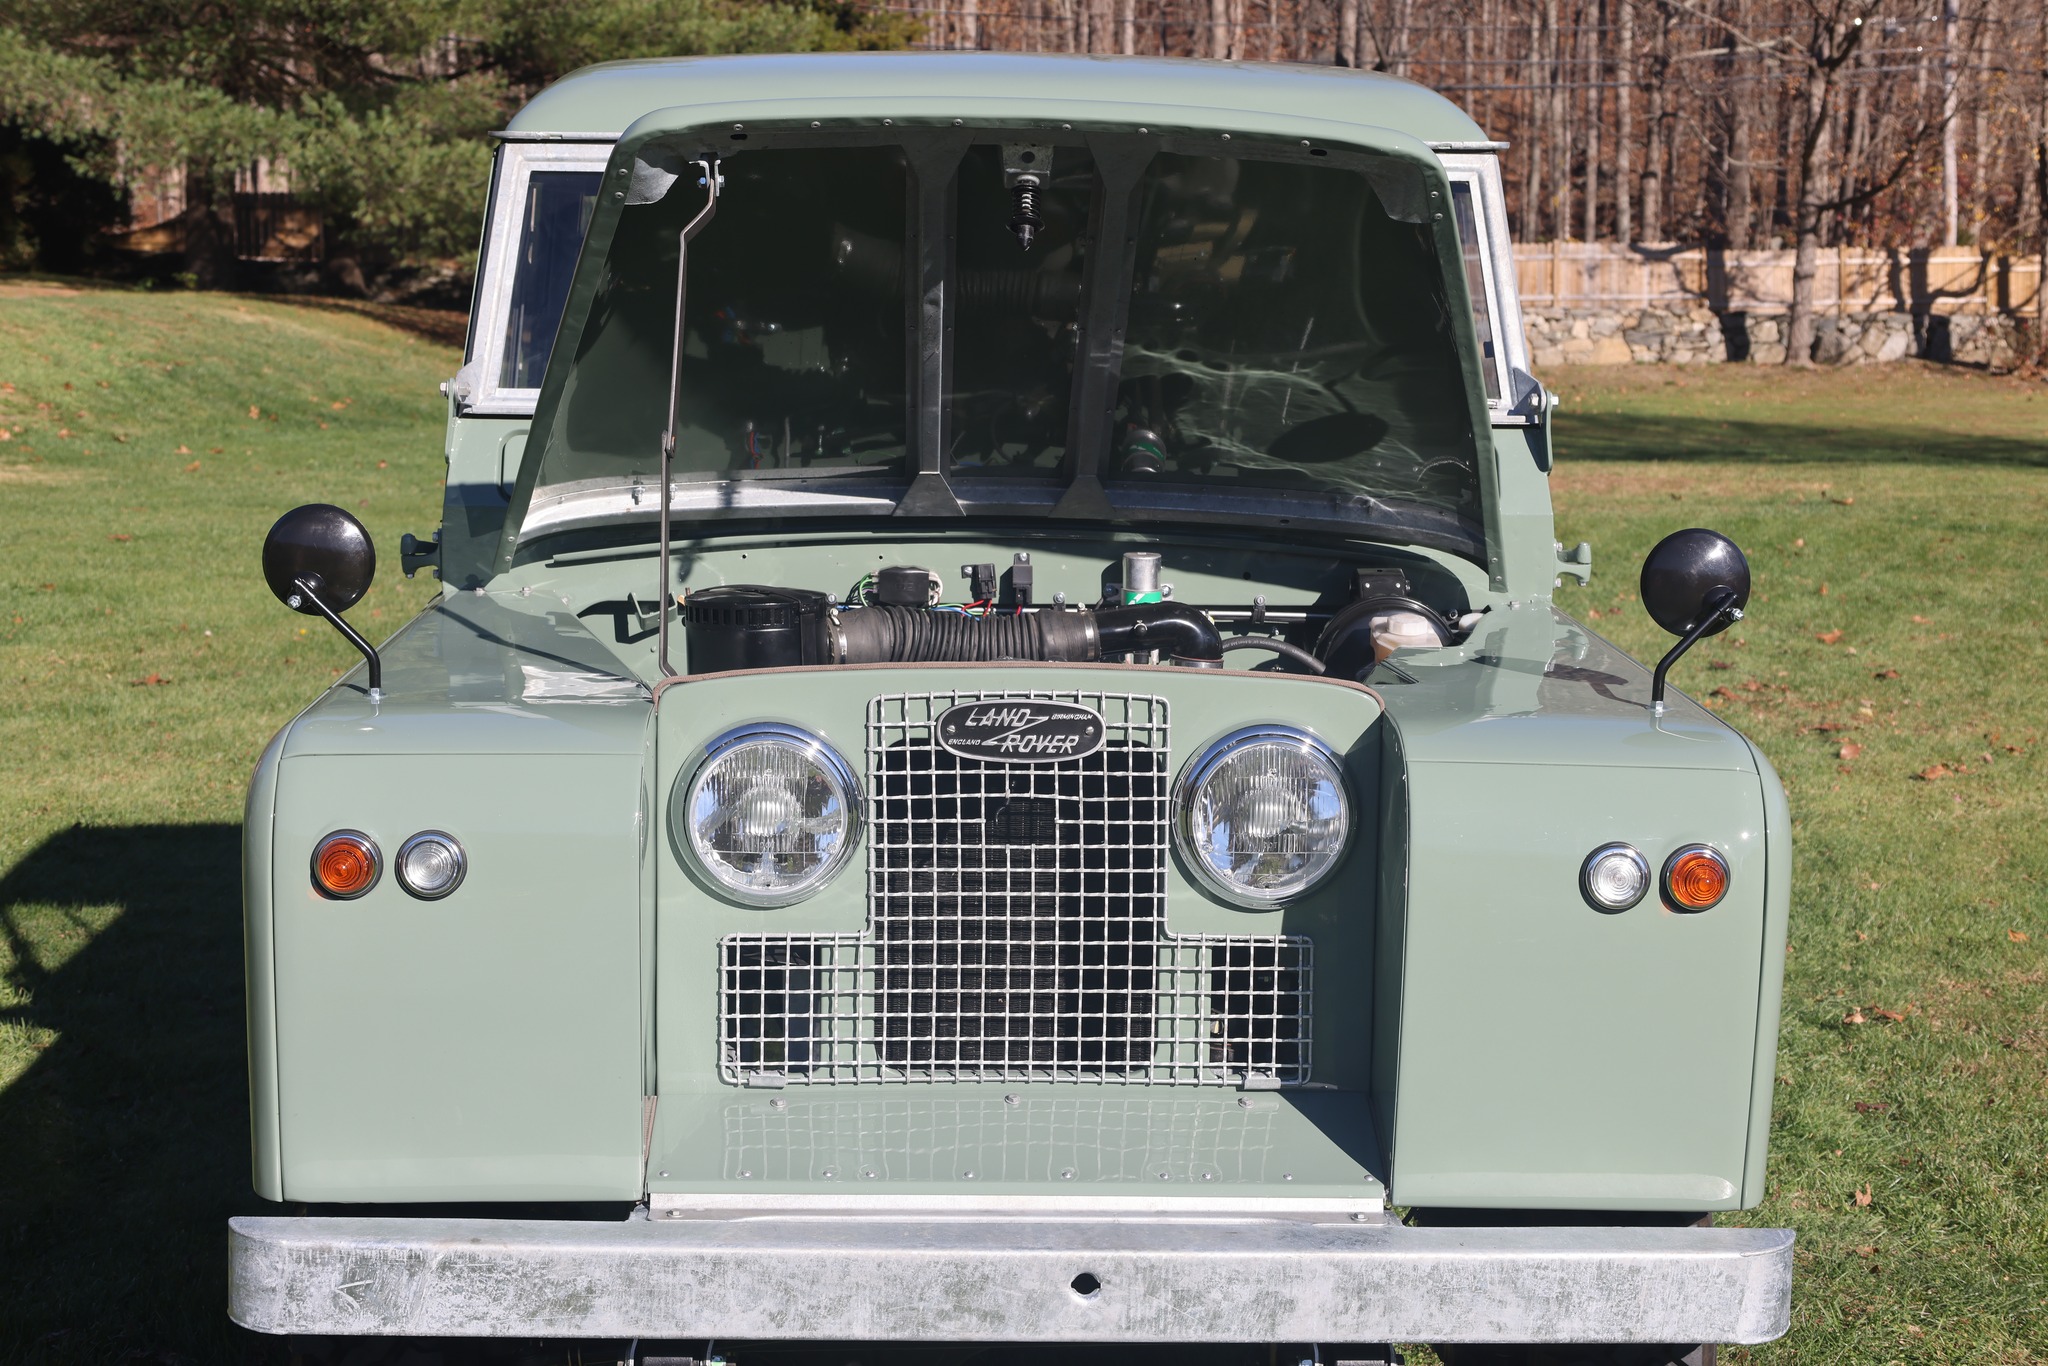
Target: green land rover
<point x="995" y="763"/>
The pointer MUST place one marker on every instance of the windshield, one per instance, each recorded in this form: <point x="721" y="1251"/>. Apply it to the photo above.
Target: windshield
<point x="1262" y="338"/>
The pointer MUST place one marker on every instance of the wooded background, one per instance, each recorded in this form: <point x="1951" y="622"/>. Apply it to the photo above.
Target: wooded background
<point x="1733" y="124"/>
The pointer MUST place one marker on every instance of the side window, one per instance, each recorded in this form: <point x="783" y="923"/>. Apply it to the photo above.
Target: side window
<point x="1489" y="265"/>
<point x="553" y="215"/>
<point x="542" y="197"/>
<point x="1463" y="203"/>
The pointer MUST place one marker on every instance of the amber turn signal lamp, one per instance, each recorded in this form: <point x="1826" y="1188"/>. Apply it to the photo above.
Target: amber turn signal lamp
<point x="1695" y="878"/>
<point x="346" y="864"/>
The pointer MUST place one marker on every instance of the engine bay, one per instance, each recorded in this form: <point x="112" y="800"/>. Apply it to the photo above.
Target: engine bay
<point x="897" y="614"/>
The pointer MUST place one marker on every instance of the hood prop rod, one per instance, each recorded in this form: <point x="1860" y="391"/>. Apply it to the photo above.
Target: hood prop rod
<point x="709" y="169"/>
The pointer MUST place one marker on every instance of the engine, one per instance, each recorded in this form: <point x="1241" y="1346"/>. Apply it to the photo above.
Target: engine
<point x="894" y="616"/>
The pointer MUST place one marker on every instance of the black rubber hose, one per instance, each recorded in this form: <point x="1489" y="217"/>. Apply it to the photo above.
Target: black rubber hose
<point x="909" y="635"/>
<point x="912" y="635"/>
<point x="1183" y="634"/>
<point x="1292" y="653"/>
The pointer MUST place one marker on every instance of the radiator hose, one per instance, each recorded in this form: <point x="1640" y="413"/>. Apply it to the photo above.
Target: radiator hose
<point x="911" y="635"/>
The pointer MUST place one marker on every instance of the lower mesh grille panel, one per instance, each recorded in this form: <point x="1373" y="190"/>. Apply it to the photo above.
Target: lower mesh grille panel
<point x="1016" y="932"/>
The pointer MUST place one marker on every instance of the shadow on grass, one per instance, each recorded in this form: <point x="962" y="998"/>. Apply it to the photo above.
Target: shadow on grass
<point x="124" y="1146"/>
<point x="1645" y="436"/>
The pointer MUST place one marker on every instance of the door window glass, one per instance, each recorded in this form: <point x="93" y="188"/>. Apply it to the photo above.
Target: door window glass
<point x="553" y="217"/>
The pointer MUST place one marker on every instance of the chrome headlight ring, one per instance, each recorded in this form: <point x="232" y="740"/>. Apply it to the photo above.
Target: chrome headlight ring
<point x="768" y="815"/>
<point x="1262" y="815"/>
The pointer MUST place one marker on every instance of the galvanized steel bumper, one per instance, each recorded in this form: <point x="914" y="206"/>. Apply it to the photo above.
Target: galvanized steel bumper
<point x="1008" y="1280"/>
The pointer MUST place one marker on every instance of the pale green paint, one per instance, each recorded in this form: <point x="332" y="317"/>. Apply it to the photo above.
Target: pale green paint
<point x="1516" y="1048"/>
<point x="266" y="1170"/>
<point x="485" y="1046"/>
<point x="969" y="1140"/>
<point x="483" y="455"/>
<point x="606" y="99"/>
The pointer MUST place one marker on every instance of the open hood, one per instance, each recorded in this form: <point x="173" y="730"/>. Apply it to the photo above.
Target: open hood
<point x="1020" y="319"/>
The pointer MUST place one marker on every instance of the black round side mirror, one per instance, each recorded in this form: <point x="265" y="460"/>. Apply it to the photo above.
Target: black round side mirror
<point x="318" y="559"/>
<point x="322" y="547"/>
<point x="1689" y="576"/>
<point x="1695" y="584"/>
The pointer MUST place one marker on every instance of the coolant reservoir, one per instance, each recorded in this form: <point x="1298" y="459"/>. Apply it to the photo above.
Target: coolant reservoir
<point x="1393" y="631"/>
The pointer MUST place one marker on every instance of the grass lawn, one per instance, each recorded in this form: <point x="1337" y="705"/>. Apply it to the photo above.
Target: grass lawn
<point x="151" y="439"/>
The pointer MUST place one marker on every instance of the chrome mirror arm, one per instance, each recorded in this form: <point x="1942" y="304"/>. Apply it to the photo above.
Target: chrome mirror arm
<point x="709" y="170"/>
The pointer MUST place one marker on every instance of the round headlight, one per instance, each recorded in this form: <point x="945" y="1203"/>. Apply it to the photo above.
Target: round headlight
<point x="1614" y="877"/>
<point x="770" y="815"/>
<point x="1263" y="814"/>
<point x="430" y="865"/>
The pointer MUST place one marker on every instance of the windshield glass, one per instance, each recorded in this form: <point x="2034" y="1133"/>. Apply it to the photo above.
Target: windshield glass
<point x="794" y="355"/>
<point x="1285" y="333"/>
<point x="1261" y="339"/>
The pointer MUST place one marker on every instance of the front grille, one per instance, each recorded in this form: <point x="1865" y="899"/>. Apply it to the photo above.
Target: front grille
<point x="1016" y="931"/>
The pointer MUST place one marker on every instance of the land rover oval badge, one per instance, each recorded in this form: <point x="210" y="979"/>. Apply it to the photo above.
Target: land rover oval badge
<point x="1019" y="731"/>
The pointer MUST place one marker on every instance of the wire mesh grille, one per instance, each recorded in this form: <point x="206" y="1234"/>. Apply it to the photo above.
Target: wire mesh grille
<point x="1016" y="931"/>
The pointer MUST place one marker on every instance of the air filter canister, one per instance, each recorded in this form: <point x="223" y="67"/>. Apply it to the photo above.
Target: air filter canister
<point x="747" y="626"/>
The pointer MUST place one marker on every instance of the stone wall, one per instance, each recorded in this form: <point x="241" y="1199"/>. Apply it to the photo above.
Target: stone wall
<point x="1679" y="335"/>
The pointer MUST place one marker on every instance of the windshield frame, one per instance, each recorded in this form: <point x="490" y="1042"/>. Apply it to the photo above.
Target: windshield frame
<point x="1409" y="177"/>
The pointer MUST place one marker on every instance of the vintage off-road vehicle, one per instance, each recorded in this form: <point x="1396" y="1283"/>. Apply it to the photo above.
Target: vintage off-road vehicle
<point x="995" y="763"/>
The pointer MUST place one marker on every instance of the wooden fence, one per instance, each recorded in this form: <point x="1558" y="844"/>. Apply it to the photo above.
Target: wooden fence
<point x="1598" y="276"/>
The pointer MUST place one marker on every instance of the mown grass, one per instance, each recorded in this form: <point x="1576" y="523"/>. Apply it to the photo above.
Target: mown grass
<point x="1915" y="497"/>
<point x="150" y="441"/>
<point x="1892" y="666"/>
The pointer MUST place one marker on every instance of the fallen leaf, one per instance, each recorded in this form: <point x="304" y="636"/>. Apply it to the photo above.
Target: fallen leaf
<point x="154" y="680"/>
<point x="1823" y="587"/>
<point x="1752" y="686"/>
<point x="2017" y="936"/>
<point x="1935" y="774"/>
<point x="1853" y="1017"/>
<point x="1800" y="543"/>
<point x="1872" y="1107"/>
<point x="182" y="450"/>
<point x="1886" y="673"/>
<point x="1845" y="502"/>
<point x="192" y="468"/>
<point x="1719" y="664"/>
<point x="1852" y="750"/>
<point x="63" y="433"/>
<point x="1892" y="1015"/>
<point x="215" y="450"/>
<point x="1866" y="1250"/>
<point x="386" y="464"/>
<point x="1830" y="637"/>
<point x="49" y="588"/>
<point x="120" y="536"/>
<point x="1723" y="692"/>
<point x="1916" y="1330"/>
<point x="1923" y="621"/>
<point x="1862" y="1197"/>
<point x="254" y="411"/>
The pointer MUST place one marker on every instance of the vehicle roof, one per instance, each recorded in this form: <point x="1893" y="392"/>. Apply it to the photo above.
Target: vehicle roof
<point x="604" y="100"/>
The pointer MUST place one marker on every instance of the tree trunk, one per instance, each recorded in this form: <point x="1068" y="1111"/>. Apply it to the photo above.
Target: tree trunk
<point x="1950" y="84"/>
<point x="1593" y="66"/>
<point x="1347" y="34"/>
<point x="1653" y="134"/>
<point x="1799" y="331"/>
<point x="1624" y="132"/>
<point x="1740" y="95"/>
<point x="209" y="227"/>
